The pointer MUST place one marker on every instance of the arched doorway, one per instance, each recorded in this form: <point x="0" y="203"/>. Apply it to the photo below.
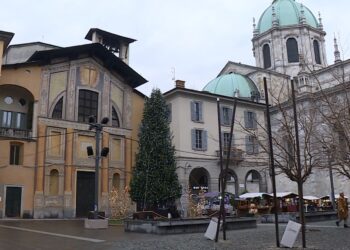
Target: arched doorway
<point x="199" y="179"/>
<point x="231" y="182"/>
<point x="253" y="181"/>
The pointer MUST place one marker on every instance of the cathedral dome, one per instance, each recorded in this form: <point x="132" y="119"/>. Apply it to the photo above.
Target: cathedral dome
<point x="287" y="12"/>
<point x="232" y="85"/>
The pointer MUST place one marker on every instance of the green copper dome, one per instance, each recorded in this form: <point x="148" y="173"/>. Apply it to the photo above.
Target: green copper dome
<point x="232" y="85"/>
<point x="287" y="12"/>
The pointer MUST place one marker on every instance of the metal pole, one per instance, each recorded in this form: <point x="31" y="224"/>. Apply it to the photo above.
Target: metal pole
<point x="300" y="183"/>
<point x="221" y="167"/>
<point x="224" y="177"/>
<point x="97" y="161"/>
<point x="272" y="162"/>
<point x="331" y="180"/>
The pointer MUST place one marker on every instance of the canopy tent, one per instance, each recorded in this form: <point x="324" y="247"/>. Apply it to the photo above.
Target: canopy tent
<point x="284" y="195"/>
<point x="310" y="197"/>
<point x="253" y="195"/>
<point x="327" y="197"/>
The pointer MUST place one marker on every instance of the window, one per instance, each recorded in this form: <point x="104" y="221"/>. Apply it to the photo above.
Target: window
<point x="57" y="111"/>
<point x="267" y="56"/>
<point x="115" y="118"/>
<point x="54" y="182"/>
<point x="196" y="111"/>
<point x="88" y="105"/>
<point x="226" y="140"/>
<point x="16" y="154"/>
<point x="252" y="145"/>
<point x="226" y="116"/>
<point x="199" y="139"/>
<point x="6" y="119"/>
<point x="317" y="52"/>
<point x="292" y="50"/>
<point x="13" y="119"/>
<point x="250" y="119"/>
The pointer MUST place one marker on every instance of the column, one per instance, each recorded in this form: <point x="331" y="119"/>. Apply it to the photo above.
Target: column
<point x="68" y="210"/>
<point x="104" y="174"/>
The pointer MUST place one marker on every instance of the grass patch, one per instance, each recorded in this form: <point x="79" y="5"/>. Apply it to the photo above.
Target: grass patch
<point x="115" y="222"/>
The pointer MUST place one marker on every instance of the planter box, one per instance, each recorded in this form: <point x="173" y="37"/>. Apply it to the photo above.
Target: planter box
<point x="178" y="226"/>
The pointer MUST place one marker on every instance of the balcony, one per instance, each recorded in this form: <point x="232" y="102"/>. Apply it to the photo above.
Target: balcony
<point x="236" y="155"/>
<point x="15" y="133"/>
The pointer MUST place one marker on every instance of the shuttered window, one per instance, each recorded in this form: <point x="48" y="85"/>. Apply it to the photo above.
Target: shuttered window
<point x="196" y="111"/>
<point x="225" y="116"/>
<point x="250" y="120"/>
<point x="199" y="139"/>
<point x="252" y="145"/>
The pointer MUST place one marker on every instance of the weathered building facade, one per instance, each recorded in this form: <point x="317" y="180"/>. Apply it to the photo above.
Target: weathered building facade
<point x="56" y="90"/>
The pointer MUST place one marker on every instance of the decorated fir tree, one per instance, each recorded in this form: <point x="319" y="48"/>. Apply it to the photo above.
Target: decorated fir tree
<point x="154" y="182"/>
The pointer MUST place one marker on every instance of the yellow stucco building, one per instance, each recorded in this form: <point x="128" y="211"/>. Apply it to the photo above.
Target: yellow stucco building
<point x="47" y="95"/>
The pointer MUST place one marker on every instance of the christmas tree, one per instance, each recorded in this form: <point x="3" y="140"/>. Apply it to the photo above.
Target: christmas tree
<point x="154" y="182"/>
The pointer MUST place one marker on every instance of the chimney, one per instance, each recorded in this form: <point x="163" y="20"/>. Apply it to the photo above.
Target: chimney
<point x="180" y="84"/>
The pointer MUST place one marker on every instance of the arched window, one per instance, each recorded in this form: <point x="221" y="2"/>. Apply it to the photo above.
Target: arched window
<point x="317" y="52"/>
<point x="253" y="181"/>
<point x="292" y="50"/>
<point x="116" y="181"/>
<point x="267" y="56"/>
<point x="115" y="118"/>
<point x="58" y="110"/>
<point x="88" y="105"/>
<point x="53" y="188"/>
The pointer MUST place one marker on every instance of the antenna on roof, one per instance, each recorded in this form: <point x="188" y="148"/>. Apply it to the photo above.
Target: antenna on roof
<point x="173" y="73"/>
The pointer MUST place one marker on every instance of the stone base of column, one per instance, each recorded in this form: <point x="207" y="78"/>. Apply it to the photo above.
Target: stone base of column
<point x="104" y="204"/>
<point x="68" y="210"/>
<point x="39" y="205"/>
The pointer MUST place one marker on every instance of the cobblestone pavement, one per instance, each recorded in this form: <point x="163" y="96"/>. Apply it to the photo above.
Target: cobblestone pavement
<point x="71" y="235"/>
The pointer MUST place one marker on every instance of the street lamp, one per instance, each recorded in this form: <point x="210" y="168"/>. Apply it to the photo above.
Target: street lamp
<point x="104" y="152"/>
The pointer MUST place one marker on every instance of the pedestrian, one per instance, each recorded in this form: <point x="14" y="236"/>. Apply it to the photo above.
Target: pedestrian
<point x="342" y="210"/>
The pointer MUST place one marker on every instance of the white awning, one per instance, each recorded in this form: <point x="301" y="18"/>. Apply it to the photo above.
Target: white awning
<point x="253" y="195"/>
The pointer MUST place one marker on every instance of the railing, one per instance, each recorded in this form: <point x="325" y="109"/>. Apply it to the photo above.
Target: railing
<point x="15" y="133"/>
<point x="236" y="155"/>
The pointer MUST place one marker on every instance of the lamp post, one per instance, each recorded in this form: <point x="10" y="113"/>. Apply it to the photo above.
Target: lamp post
<point x="98" y="128"/>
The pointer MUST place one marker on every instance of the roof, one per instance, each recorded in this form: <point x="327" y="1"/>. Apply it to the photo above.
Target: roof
<point x="211" y="95"/>
<point x="6" y="37"/>
<point x="253" y="195"/>
<point x="284" y="194"/>
<point x="232" y="85"/>
<point x="288" y="12"/>
<point x="108" y="60"/>
<point x="108" y="38"/>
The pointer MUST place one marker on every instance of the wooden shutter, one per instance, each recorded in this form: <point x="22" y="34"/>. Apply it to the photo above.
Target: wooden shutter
<point x="249" y="145"/>
<point x="200" y="111"/>
<point x="193" y="138"/>
<point x="254" y="120"/>
<point x="193" y="115"/>
<point x="246" y="119"/>
<point x="204" y="140"/>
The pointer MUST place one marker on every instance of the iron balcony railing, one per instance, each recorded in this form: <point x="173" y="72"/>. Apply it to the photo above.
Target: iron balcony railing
<point x="236" y="155"/>
<point x="15" y="133"/>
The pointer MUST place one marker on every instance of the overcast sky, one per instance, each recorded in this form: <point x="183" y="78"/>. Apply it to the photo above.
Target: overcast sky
<point x="194" y="38"/>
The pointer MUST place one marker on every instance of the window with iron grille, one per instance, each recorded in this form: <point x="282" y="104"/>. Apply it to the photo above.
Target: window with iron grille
<point x="88" y="105"/>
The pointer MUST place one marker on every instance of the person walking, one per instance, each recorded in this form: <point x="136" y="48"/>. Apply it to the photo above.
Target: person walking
<point x="342" y="210"/>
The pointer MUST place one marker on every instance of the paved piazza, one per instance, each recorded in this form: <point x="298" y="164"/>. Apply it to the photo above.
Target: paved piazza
<point x="70" y="234"/>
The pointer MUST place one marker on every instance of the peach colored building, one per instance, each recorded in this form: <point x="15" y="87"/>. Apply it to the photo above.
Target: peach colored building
<point x="47" y="94"/>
